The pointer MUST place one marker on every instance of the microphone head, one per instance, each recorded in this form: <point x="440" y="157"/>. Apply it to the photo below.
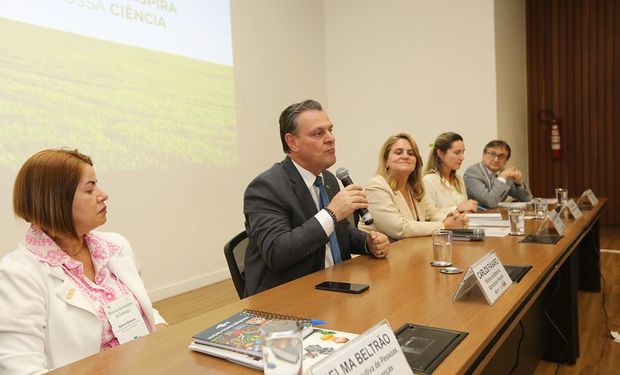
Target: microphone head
<point x="342" y="173"/>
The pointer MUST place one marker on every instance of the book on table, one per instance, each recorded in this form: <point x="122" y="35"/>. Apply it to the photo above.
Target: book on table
<point x="238" y="339"/>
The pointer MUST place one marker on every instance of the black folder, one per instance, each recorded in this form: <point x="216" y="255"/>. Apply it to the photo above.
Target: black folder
<point x="426" y="347"/>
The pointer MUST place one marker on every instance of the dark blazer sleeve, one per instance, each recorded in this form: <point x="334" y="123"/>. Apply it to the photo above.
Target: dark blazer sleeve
<point x="277" y="228"/>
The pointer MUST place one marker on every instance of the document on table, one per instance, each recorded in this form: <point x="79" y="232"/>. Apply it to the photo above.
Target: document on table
<point x="511" y="205"/>
<point x="496" y="231"/>
<point x="492" y="223"/>
<point x="487" y="220"/>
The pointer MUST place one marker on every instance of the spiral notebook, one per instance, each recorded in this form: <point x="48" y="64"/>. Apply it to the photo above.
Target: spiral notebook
<point x="241" y="331"/>
<point x="237" y="339"/>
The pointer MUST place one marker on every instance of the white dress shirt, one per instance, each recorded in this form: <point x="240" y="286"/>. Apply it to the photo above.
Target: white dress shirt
<point x="322" y="216"/>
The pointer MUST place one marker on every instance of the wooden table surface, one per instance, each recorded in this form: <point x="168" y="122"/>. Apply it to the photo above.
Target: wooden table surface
<point x="404" y="288"/>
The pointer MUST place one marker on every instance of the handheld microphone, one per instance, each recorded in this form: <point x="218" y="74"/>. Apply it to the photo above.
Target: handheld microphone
<point x="343" y="175"/>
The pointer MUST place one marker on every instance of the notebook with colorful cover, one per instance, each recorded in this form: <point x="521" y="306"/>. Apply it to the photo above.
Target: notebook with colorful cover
<point x="319" y="344"/>
<point x="241" y="332"/>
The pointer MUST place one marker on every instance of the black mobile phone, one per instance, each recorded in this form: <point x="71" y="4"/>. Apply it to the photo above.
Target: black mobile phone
<point x="336" y="286"/>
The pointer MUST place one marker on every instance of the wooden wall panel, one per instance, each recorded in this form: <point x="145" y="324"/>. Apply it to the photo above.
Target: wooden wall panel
<point x="573" y="70"/>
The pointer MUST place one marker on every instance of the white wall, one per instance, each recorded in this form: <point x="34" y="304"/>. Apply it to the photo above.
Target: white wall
<point x="510" y="55"/>
<point x="378" y="67"/>
<point x="423" y="67"/>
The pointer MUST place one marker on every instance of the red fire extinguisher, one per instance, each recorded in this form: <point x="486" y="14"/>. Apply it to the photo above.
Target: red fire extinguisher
<point x="556" y="144"/>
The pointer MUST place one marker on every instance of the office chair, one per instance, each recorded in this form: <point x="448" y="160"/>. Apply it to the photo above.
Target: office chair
<point x="234" y="251"/>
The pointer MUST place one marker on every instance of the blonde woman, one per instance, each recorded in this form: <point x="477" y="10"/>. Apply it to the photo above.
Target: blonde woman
<point x="444" y="187"/>
<point x="396" y="194"/>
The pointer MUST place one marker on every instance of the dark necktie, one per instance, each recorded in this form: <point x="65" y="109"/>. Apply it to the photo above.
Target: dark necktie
<point x="333" y="241"/>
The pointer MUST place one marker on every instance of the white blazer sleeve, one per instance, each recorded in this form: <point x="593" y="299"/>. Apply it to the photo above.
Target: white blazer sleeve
<point x="22" y="320"/>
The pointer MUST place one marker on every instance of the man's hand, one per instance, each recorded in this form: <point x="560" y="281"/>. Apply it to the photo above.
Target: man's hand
<point x="348" y="200"/>
<point x="513" y="174"/>
<point x="378" y="244"/>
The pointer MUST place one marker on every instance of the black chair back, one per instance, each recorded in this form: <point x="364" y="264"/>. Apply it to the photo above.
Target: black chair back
<point x="234" y="251"/>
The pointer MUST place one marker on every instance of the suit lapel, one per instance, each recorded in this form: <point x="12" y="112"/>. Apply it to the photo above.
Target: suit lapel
<point x="299" y="188"/>
<point x="489" y="177"/>
<point x="69" y="293"/>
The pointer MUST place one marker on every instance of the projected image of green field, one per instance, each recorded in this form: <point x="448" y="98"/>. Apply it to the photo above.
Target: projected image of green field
<point x="136" y="108"/>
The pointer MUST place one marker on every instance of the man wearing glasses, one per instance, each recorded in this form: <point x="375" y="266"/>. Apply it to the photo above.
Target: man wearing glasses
<point x="490" y="182"/>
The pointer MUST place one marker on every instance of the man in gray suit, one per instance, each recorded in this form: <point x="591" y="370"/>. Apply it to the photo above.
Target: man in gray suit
<point x="295" y="213"/>
<point x="490" y="182"/>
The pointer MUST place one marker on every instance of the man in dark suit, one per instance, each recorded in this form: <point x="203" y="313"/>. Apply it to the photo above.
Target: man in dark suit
<point x="491" y="182"/>
<point x="296" y="226"/>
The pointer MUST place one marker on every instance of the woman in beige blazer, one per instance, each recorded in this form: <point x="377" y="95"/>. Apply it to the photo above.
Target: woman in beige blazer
<point x="396" y="195"/>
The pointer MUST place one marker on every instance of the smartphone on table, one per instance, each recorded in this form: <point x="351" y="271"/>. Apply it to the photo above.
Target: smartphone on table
<point x="336" y="286"/>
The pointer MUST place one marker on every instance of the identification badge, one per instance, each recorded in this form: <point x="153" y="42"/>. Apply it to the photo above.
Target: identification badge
<point x="125" y="318"/>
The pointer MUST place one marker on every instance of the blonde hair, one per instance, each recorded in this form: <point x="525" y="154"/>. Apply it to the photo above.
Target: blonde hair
<point x="44" y="190"/>
<point x="415" y="178"/>
<point x="443" y="142"/>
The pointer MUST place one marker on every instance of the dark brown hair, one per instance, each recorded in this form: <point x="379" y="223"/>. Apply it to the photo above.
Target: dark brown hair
<point x="443" y="142"/>
<point x="288" y="118"/>
<point x="499" y="144"/>
<point x="44" y="190"/>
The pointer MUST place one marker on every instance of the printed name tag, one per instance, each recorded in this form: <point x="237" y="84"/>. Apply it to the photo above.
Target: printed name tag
<point x="125" y="318"/>
<point x="591" y="197"/>
<point x="375" y="351"/>
<point x="557" y="222"/>
<point x="574" y="209"/>
<point x="490" y="276"/>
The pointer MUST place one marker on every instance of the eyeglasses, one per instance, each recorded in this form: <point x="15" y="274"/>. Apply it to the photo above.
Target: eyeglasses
<point x="500" y="157"/>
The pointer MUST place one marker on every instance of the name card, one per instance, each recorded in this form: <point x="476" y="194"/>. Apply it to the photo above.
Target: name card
<point x="557" y="222"/>
<point x="574" y="209"/>
<point x="375" y="351"/>
<point x="591" y="197"/>
<point x="490" y="276"/>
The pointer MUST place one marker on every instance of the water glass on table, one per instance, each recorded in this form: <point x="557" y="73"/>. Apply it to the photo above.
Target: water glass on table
<point x="561" y="195"/>
<point x="442" y="248"/>
<point x="517" y="222"/>
<point x="282" y="347"/>
<point x="540" y="208"/>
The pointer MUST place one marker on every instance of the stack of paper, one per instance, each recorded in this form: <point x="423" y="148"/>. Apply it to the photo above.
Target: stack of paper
<point x="513" y="205"/>
<point x="492" y="223"/>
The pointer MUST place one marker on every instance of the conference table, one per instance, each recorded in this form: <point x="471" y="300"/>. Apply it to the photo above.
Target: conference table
<point x="405" y="288"/>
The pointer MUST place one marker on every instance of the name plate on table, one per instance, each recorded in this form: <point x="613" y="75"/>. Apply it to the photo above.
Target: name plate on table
<point x="490" y="276"/>
<point x="376" y="351"/>
<point x="574" y="209"/>
<point x="557" y="222"/>
<point x="591" y="197"/>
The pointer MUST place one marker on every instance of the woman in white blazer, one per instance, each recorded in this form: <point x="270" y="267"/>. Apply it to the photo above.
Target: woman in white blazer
<point x="57" y="287"/>
<point x="396" y="197"/>
<point x="444" y="187"/>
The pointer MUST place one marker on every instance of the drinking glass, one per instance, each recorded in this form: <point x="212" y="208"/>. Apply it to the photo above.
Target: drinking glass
<point x="561" y="195"/>
<point x="282" y="347"/>
<point x="540" y="207"/>
<point x="517" y="222"/>
<point x="442" y="248"/>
